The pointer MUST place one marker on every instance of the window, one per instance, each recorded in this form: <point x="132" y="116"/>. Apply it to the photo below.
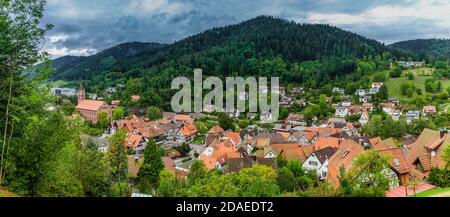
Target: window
<point x="396" y="162"/>
<point x="433" y="153"/>
<point x="324" y="174"/>
<point x="345" y="154"/>
<point x="313" y="163"/>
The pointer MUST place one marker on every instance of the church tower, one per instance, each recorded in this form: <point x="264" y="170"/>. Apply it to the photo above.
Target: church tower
<point x="81" y="93"/>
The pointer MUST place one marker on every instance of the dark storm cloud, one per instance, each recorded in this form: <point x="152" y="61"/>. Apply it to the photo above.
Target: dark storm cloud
<point x="85" y="26"/>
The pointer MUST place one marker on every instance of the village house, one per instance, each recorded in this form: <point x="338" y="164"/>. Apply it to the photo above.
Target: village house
<point x="296" y="91"/>
<point x="354" y="109"/>
<point x="346" y="103"/>
<point x="364" y="118"/>
<point x="267" y="152"/>
<point x="187" y="132"/>
<point x="399" y="173"/>
<point x="237" y="164"/>
<point x="407" y="64"/>
<point x="110" y="90"/>
<point x="339" y="90"/>
<point x="136" y="142"/>
<point x="365" y="99"/>
<point x="412" y="115"/>
<point x="301" y="102"/>
<point x="296" y="119"/>
<point x="285" y="101"/>
<point x="377" y="85"/>
<point x="90" y="109"/>
<point x="135" y="98"/>
<point x="361" y="92"/>
<point x="396" y="114"/>
<point x="367" y="106"/>
<point x="318" y="161"/>
<point x="303" y="137"/>
<point x="388" y="107"/>
<point x="427" y="152"/>
<point x="429" y="110"/>
<point x="396" y="101"/>
<point x="343" y="157"/>
<point x="293" y="152"/>
<point x="341" y="111"/>
<point x="217" y="154"/>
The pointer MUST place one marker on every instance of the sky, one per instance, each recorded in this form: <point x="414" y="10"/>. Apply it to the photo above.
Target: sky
<point x="85" y="27"/>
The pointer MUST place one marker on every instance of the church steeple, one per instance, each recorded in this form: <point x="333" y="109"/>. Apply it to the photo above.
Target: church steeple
<point x="81" y="93"/>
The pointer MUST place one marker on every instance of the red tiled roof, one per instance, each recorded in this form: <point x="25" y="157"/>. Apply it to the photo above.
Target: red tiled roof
<point x="216" y="130"/>
<point x="234" y="136"/>
<point x="133" y="141"/>
<point x="323" y="142"/>
<point x="91" y="105"/>
<point x="344" y="156"/>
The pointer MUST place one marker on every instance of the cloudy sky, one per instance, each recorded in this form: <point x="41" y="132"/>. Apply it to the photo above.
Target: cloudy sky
<point x="84" y="27"/>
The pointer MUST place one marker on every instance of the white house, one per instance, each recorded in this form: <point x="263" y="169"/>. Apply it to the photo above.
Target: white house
<point x="346" y="103"/>
<point x="360" y="92"/>
<point x="364" y="118"/>
<point x="341" y="111"/>
<point x="412" y="115"/>
<point x="318" y="161"/>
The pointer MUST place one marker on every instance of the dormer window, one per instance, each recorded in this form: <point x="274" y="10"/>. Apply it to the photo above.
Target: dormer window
<point x="396" y="162"/>
<point x="433" y="153"/>
<point x="345" y="154"/>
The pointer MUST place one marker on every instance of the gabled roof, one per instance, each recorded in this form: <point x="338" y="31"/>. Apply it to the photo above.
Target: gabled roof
<point x="344" y="156"/>
<point x="133" y="141"/>
<point x="384" y="144"/>
<point x="323" y="142"/>
<point x="184" y="118"/>
<point x="237" y="164"/>
<point x="325" y="153"/>
<point x="234" y="136"/>
<point x="418" y="151"/>
<point x="188" y="129"/>
<point x="91" y="105"/>
<point x="216" y="130"/>
<point x="396" y="159"/>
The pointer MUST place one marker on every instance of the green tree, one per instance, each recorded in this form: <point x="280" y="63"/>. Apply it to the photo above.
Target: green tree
<point x="21" y="36"/>
<point x="103" y="120"/>
<point x="367" y="177"/>
<point x="167" y="184"/>
<point x="118" y="113"/>
<point x="36" y="152"/>
<point x="197" y="172"/>
<point x="150" y="170"/>
<point x="116" y="158"/>
<point x="92" y="170"/>
<point x="395" y="72"/>
<point x="257" y="181"/>
<point x="286" y="180"/>
<point x="226" y="122"/>
<point x="154" y="113"/>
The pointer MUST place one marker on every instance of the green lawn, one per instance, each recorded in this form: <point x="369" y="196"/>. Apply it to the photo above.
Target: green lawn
<point x="393" y="84"/>
<point x="444" y="192"/>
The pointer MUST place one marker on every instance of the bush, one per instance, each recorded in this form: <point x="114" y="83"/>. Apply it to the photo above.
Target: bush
<point x="439" y="177"/>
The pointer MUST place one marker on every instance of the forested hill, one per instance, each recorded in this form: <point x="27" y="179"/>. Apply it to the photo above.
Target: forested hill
<point x="426" y="49"/>
<point x="265" y="36"/>
<point x="72" y="67"/>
